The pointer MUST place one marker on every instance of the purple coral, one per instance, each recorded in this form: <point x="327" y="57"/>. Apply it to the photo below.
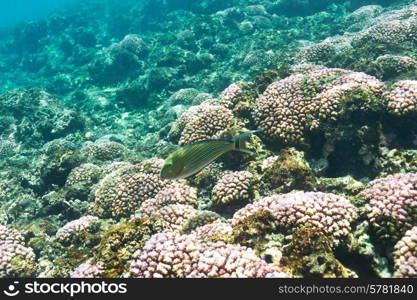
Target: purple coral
<point x="135" y="45"/>
<point x="170" y="255"/>
<point x="301" y="102"/>
<point x="121" y="192"/>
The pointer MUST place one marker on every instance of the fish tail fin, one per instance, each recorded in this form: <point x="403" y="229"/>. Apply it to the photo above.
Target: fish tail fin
<point x="241" y="139"/>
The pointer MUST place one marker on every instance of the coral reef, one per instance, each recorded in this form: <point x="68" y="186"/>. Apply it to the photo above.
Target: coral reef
<point x="96" y="95"/>
<point x="168" y="255"/>
<point x="402" y="100"/>
<point x="391" y="206"/>
<point x="17" y="261"/>
<point x="329" y="213"/>
<point x="405" y="256"/>
<point x="69" y="230"/>
<point x="232" y="187"/>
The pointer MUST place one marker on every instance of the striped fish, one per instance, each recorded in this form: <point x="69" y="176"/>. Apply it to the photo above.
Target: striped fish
<point x="194" y="157"/>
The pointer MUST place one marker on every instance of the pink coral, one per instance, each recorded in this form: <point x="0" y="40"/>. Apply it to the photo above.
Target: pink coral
<point x="301" y="102"/>
<point x="392" y="204"/>
<point x="402" y="100"/>
<point x="327" y="212"/>
<point x="405" y="255"/>
<point x="10" y="235"/>
<point x="170" y="255"/>
<point x="174" y="194"/>
<point x="176" y="217"/>
<point x="211" y="121"/>
<point x="81" y="224"/>
<point x="88" y="269"/>
<point x="120" y="193"/>
<point x="17" y="261"/>
<point x="232" y="187"/>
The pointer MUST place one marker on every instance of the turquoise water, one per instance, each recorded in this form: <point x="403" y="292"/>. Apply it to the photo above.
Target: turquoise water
<point x="95" y="95"/>
<point x="15" y="11"/>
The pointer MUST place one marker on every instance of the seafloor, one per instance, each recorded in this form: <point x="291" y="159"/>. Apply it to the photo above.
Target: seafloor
<point x="94" y="97"/>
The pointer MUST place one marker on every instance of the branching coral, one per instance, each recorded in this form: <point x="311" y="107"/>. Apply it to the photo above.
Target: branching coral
<point x="326" y="212"/>
<point x="405" y="255"/>
<point x="392" y="205"/>
<point x="300" y="103"/>
<point x="17" y="261"/>
<point x="402" y="100"/>
<point x="168" y="255"/>
<point x="65" y="233"/>
<point x="232" y="187"/>
<point x="10" y="235"/>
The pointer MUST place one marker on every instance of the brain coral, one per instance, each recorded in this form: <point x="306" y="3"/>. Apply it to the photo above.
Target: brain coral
<point x="291" y="106"/>
<point x="232" y="187"/>
<point x="170" y="255"/>
<point x="392" y="204"/>
<point x="17" y="261"/>
<point x="405" y="255"/>
<point x="329" y="213"/>
<point x="402" y="99"/>
<point x="10" y="236"/>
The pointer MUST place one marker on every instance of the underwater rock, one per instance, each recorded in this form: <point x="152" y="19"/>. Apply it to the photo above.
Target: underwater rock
<point x="210" y="122"/>
<point x="35" y="117"/>
<point x="310" y="254"/>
